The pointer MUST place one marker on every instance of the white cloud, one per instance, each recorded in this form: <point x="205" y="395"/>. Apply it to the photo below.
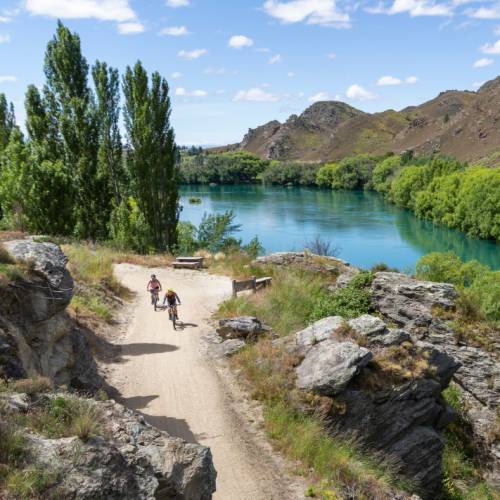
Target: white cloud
<point x="220" y="91"/>
<point x="130" y="28"/>
<point x="491" y="48"/>
<point x="358" y="93"/>
<point x="415" y="8"/>
<point x="275" y="59"/>
<point x="290" y="74"/>
<point x="482" y="63"/>
<point x="320" y="96"/>
<point x="174" y="31"/>
<point x="176" y="75"/>
<point x="7" y="78"/>
<point x="388" y="80"/>
<point x="322" y="12"/>
<point x="4" y="38"/>
<point x="240" y="41"/>
<point x="255" y="94"/>
<point x="486" y="13"/>
<point x="411" y="80"/>
<point x="104" y="10"/>
<point x="181" y="91"/>
<point x="331" y="55"/>
<point x="4" y="19"/>
<point x="177" y="3"/>
<point x="192" y="54"/>
<point x="477" y="85"/>
<point x="263" y="49"/>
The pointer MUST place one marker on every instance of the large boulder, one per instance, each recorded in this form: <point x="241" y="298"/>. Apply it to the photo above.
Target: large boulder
<point x="304" y="260"/>
<point x="408" y="301"/>
<point x="242" y="327"/>
<point x="37" y="336"/>
<point x="329" y="366"/>
<point x="48" y="287"/>
<point x="317" y="332"/>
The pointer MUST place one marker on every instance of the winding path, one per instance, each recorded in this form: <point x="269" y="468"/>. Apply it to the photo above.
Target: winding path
<point x="162" y="375"/>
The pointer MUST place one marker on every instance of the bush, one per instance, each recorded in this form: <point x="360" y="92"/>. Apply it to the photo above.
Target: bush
<point x="320" y="246"/>
<point x="353" y="172"/>
<point x="479" y="287"/>
<point x="384" y="172"/>
<point x="186" y="238"/>
<point x="283" y="173"/>
<point x="215" y="232"/>
<point x="129" y="229"/>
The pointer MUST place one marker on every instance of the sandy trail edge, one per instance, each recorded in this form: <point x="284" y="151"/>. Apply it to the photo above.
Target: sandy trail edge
<point x="163" y="375"/>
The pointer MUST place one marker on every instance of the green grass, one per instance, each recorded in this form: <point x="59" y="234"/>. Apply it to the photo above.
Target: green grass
<point x="85" y="305"/>
<point x="461" y="470"/>
<point x="64" y="416"/>
<point x="29" y="482"/>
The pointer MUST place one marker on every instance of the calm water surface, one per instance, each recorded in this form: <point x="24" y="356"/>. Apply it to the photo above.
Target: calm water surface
<point x="363" y="225"/>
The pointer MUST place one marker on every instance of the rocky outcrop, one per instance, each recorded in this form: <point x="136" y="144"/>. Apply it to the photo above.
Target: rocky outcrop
<point x="404" y="419"/>
<point x="129" y="460"/>
<point x="409" y="303"/>
<point x="36" y="333"/>
<point x="305" y="260"/>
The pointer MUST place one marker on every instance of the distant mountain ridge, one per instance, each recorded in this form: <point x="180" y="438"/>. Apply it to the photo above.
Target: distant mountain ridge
<point x="464" y="124"/>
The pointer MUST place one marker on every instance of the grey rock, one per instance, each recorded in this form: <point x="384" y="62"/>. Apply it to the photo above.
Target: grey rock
<point x="157" y="466"/>
<point x="227" y="348"/>
<point x="330" y="365"/>
<point x="317" y="332"/>
<point x="50" y="288"/>
<point x="305" y="260"/>
<point x="368" y="325"/>
<point x="406" y="300"/>
<point x="403" y="423"/>
<point x="16" y="402"/>
<point x="245" y="327"/>
<point x="376" y="332"/>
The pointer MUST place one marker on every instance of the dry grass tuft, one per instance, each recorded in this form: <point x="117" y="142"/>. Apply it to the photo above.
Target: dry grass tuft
<point x="30" y="386"/>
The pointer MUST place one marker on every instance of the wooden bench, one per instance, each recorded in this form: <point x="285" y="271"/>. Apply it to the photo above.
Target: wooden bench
<point x="188" y="263"/>
<point x="252" y="283"/>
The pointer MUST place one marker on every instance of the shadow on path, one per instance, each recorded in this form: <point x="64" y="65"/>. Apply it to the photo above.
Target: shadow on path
<point x="176" y="427"/>
<point x="138" y="402"/>
<point x="140" y="348"/>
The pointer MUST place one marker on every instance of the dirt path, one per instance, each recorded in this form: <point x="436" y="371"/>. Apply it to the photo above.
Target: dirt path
<point x="163" y="375"/>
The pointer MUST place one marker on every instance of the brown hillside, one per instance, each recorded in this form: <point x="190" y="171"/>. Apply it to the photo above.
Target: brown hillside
<point x="460" y="123"/>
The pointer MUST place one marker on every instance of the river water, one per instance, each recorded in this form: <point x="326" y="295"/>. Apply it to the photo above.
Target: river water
<point x="362" y="225"/>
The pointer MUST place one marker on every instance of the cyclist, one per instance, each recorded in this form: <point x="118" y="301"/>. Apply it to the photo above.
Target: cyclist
<point x="154" y="287"/>
<point x="172" y="299"/>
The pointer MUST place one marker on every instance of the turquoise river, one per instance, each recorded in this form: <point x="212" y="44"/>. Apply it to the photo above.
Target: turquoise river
<point x="362" y="225"/>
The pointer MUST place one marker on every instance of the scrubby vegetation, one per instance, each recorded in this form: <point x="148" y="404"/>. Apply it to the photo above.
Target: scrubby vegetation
<point x="477" y="316"/>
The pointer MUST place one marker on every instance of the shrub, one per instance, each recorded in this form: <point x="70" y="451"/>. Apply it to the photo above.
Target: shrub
<point x="320" y="246"/>
<point x="283" y="173"/>
<point x="30" y="386"/>
<point x="215" y="231"/>
<point x="29" y="482"/>
<point x="384" y="172"/>
<point x="186" y="238"/>
<point x="353" y="172"/>
<point x="5" y="257"/>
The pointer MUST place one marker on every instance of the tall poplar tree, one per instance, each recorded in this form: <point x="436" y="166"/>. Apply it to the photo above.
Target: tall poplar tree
<point x="107" y="88"/>
<point x="151" y="159"/>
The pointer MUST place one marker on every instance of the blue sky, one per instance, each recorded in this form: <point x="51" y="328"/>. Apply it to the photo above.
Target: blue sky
<point x="235" y="64"/>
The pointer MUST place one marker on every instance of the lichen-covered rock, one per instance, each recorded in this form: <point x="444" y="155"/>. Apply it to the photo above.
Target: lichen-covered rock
<point x="375" y="331"/>
<point x="317" y="332"/>
<point x="245" y="327"/>
<point x="408" y="301"/>
<point x="131" y="460"/>
<point x="329" y="366"/>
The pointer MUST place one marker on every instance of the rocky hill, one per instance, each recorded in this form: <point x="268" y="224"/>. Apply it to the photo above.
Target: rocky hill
<point x="460" y="123"/>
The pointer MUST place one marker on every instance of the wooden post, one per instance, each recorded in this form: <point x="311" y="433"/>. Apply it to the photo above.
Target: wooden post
<point x="254" y="284"/>
<point x="234" y="288"/>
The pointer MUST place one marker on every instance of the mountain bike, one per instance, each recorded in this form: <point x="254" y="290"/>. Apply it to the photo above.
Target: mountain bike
<point x="155" y="297"/>
<point x="172" y="315"/>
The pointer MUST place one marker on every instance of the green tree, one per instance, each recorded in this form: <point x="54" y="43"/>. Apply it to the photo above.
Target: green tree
<point x="107" y="87"/>
<point x="69" y="100"/>
<point x="7" y="121"/>
<point x="151" y="158"/>
<point x="353" y="172"/>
